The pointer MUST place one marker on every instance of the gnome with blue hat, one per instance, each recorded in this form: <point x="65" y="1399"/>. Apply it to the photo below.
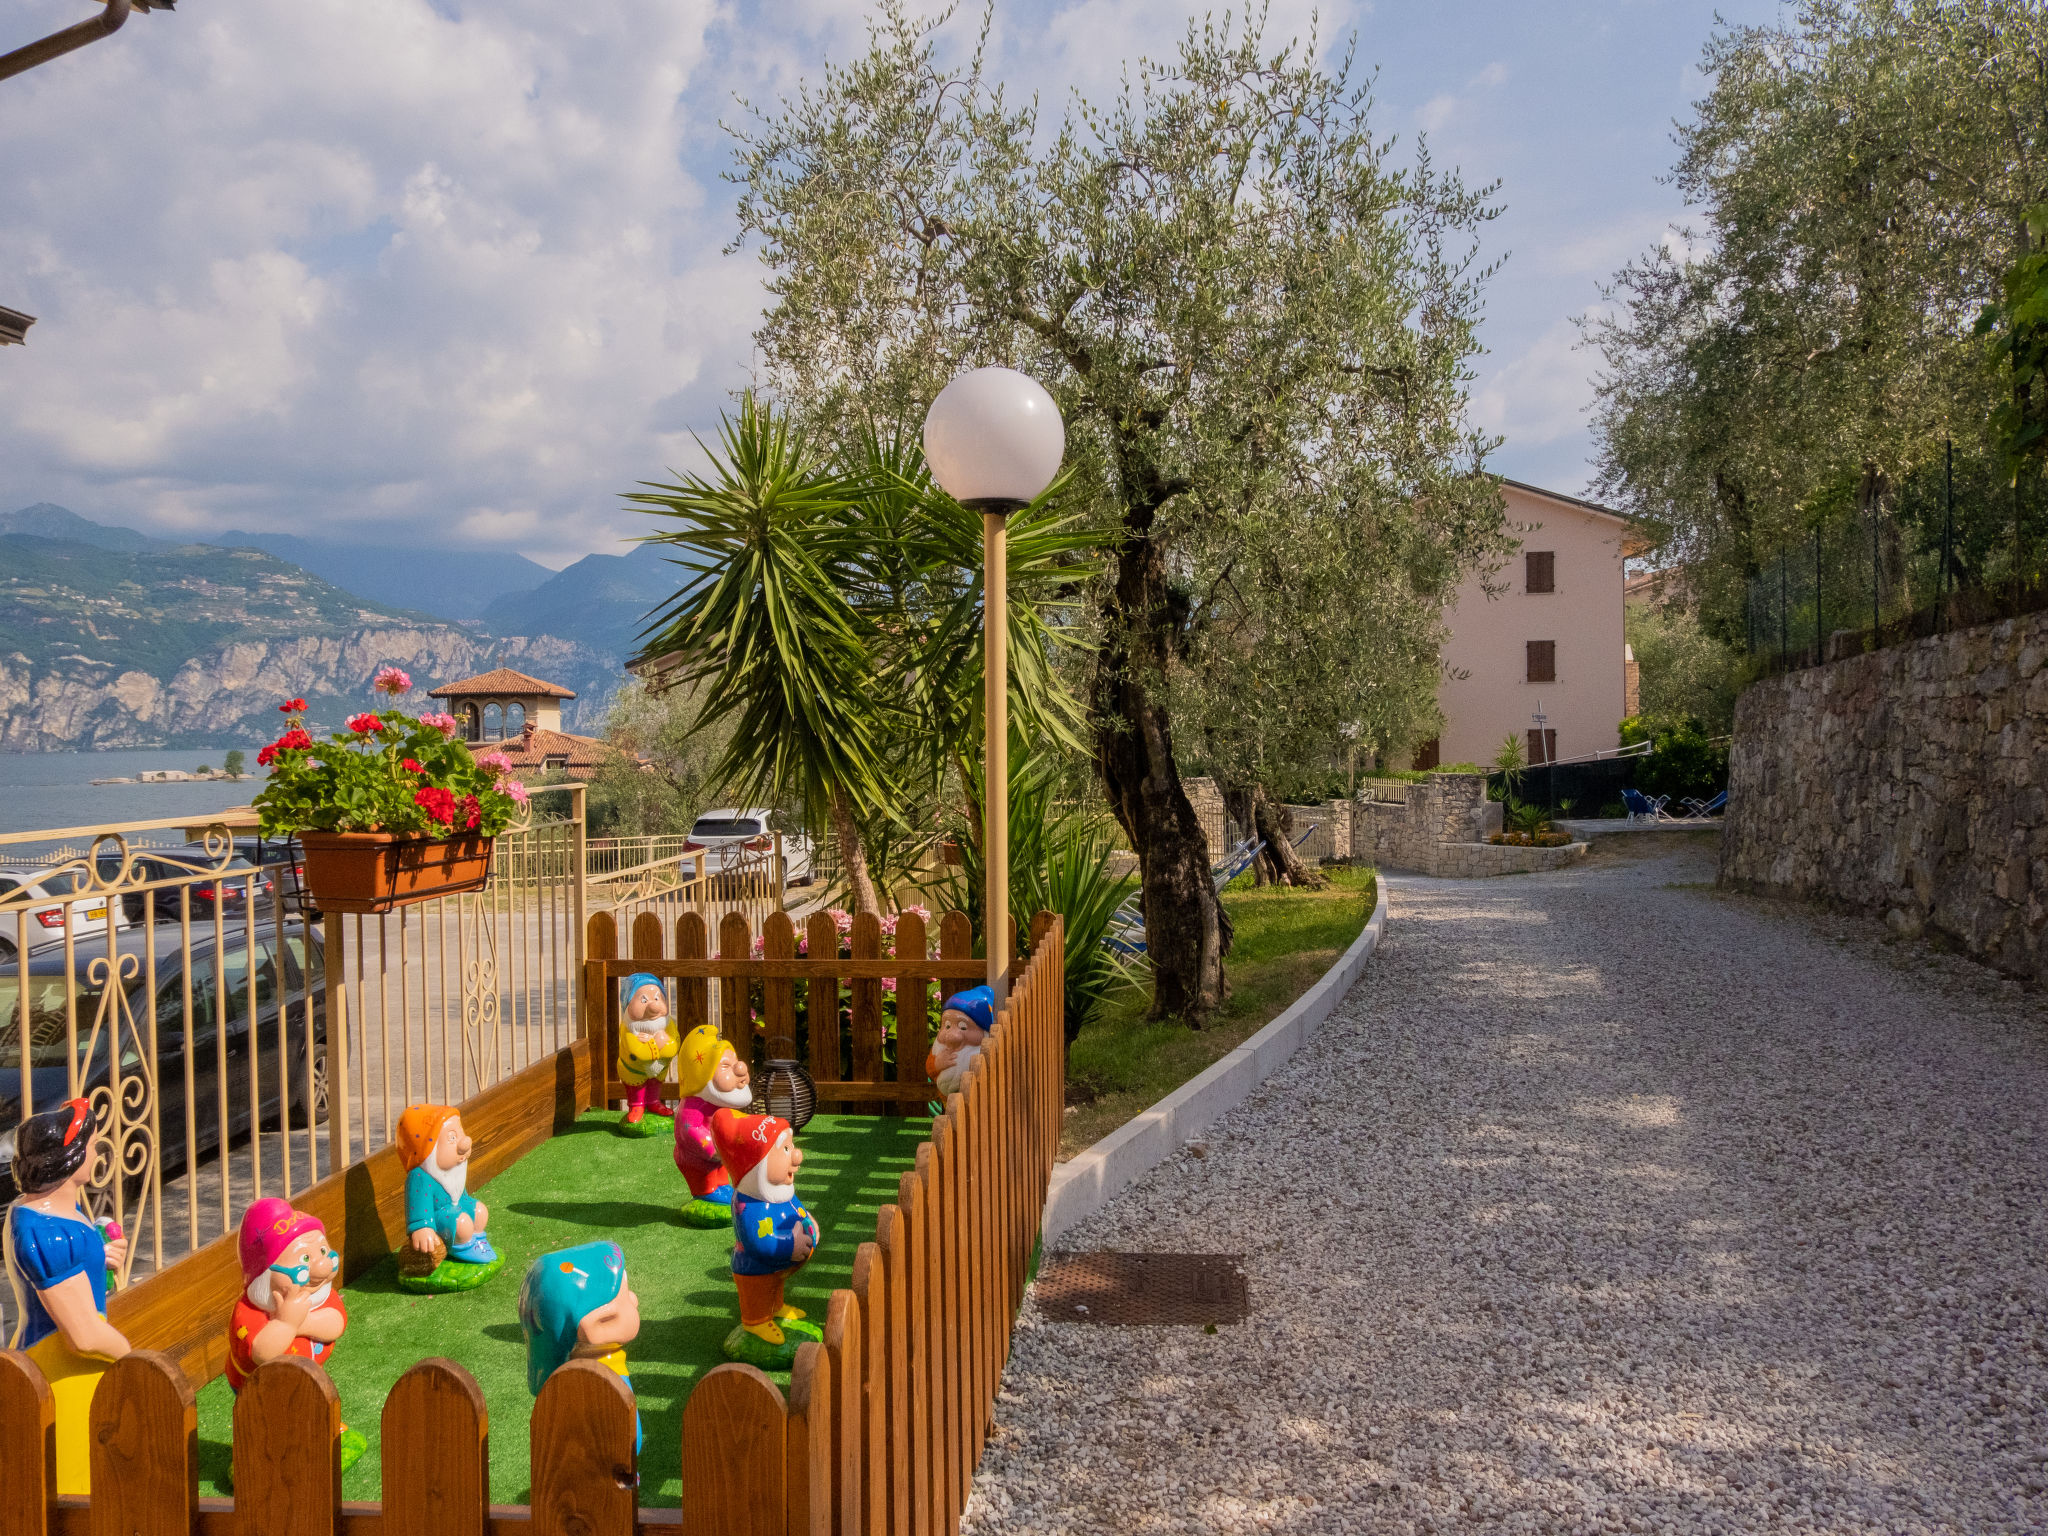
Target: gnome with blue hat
<point x="964" y="1027"/>
<point x="648" y="1042"/>
<point x="575" y="1305"/>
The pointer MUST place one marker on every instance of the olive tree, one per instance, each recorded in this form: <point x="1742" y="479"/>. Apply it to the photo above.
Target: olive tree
<point x="1249" y="315"/>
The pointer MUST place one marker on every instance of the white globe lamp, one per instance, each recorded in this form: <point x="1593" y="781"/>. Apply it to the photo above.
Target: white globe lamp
<point x="993" y="441"/>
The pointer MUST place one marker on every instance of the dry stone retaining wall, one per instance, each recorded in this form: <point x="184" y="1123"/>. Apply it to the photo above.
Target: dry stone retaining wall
<point x="1912" y="781"/>
<point x="1439" y="829"/>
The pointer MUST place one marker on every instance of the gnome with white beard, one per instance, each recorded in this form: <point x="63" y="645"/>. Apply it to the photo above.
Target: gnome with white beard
<point x="964" y="1026"/>
<point x="446" y="1247"/>
<point x="289" y="1303"/>
<point x="712" y="1077"/>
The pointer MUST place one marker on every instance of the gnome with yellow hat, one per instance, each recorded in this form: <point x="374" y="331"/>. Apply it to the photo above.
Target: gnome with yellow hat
<point x="446" y="1249"/>
<point x="712" y="1077"/>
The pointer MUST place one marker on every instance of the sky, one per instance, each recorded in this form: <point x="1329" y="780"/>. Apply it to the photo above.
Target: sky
<point x="455" y="271"/>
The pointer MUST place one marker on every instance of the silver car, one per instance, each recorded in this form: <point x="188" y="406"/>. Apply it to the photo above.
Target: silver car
<point x="40" y="893"/>
<point x="738" y="839"/>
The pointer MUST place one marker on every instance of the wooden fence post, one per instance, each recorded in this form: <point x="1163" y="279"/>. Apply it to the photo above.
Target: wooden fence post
<point x="843" y="1344"/>
<point x="435" y="1443"/>
<point x="582" y="1457"/>
<point x="735" y="1456"/>
<point x="913" y="1026"/>
<point x="959" y="1324"/>
<point x="647" y="937"/>
<point x="778" y="993"/>
<point x="693" y="993"/>
<point x="600" y="1001"/>
<point x="821" y="940"/>
<point x="909" y="1278"/>
<point x="809" y="1444"/>
<point x="735" y="942"/>
<point x="28" y="1447"/>
<point x="145" y="1440"/>
<point x="932" y="1340"/>
<point x="871" y="1285"/>
<point x="890" y="1240"/>
<point x="867" y="1012"/>
<point x="287" y="1434"/>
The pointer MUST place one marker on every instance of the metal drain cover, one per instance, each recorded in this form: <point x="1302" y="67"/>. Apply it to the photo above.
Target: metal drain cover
<point x="1142" y="1289"/>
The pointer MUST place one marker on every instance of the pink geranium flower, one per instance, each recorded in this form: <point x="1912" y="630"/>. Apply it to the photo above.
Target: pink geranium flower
<point x="513" y="788"/>
<point x="445" y="724"/>
<point x="392" y="681"/>
<point x="495" y="760"/>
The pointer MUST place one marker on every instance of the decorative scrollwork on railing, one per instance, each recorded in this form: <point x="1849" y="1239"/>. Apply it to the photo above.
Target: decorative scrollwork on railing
<point x="113" y="867"/>
<point x="123" y="1104"/>
<point x="480" y="1008"/>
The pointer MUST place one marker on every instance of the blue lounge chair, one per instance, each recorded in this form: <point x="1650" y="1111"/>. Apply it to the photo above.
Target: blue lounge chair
<point x="1701" y="808"/>
<point x="1126" y="931"/>
<point x="1642" y="808"/>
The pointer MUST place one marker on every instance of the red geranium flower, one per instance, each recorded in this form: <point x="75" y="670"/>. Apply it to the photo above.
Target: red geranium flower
<point x="365" y="724"/>
<point x="292" y="707"/>
<point x="437" y="803"/>
<point x="267" y="756"/>
<point x="294" y="740"/>
<point x="471" y="812"/>
<point x="412" y="765"/>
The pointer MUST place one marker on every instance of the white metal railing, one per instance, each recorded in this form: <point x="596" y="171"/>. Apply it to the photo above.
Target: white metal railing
<point x="234" y="1043"/>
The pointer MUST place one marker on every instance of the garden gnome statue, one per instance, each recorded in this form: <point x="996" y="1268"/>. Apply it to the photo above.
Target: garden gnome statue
<point x="964" y="1026"/>
<point x="772" y="1235"/>
<point x="57" y="1262"/>
<point x="647" y="1044"/>
<point x="289" y="1304"/>
<point x="575" y="1304"/>
<point x="446" y="1249"/>
<point x="712" y="1077"/>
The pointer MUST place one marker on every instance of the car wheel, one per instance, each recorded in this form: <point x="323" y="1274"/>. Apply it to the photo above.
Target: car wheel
<point x="320" y="1095"/>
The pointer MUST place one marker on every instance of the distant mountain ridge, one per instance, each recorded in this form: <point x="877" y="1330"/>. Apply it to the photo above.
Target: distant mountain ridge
<point x="114" y="638"/>
<point x="444" y="580"/>
<point x="603" y="601"/>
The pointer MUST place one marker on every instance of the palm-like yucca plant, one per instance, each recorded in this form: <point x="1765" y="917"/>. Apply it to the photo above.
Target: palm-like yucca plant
<point x="766" y="629"/>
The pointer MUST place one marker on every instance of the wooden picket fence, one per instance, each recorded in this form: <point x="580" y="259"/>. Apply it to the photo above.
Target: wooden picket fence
<point x="879" y="1432"/>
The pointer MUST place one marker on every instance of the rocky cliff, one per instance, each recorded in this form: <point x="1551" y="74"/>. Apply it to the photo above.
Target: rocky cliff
<point x="228" y="693"/>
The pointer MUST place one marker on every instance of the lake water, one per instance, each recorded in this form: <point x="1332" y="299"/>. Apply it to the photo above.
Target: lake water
<point x="55" y="789"/>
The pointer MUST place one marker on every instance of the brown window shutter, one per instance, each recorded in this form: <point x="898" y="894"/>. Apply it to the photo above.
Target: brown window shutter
<point x="1539" y="570"/>
<point x="1428" y="754"/>
<point x="1542" y="747"/>
<point x="1542" y="661"/>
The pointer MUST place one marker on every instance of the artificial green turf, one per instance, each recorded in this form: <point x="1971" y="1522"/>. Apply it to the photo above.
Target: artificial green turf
<point x="590" y="1182"/>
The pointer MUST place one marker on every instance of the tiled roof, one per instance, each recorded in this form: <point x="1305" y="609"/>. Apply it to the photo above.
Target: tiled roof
<point x="529" y="754"/>
<point x="502" y="682"/>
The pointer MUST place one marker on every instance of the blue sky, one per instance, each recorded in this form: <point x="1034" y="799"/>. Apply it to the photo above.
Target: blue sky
<point x="454" y="270"/>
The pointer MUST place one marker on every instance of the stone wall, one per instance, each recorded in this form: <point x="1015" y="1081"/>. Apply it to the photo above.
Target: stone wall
<point x="1440" y="828"/>
<point x="1908" y="782"/>
<point x="1207" y="800"/>
<point x="1331" y="840"/>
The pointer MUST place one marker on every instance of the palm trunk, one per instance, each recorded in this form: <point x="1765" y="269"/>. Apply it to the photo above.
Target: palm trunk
<point x="852" y="856"/>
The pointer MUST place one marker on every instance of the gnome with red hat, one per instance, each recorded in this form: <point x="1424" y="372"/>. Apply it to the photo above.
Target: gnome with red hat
<point x="772" y="1235"/>
<point x="289" y="1303"/>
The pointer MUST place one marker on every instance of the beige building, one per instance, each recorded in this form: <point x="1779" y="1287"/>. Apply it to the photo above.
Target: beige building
<point x="521" y="716"/>
<point x="1543" y="659"/>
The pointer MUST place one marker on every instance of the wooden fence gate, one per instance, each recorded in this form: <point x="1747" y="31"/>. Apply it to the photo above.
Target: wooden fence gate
<point x="880" y="1431"/>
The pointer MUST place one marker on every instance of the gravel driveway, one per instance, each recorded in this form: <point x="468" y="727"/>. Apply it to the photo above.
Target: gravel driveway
<point x="1604" y="1203"/>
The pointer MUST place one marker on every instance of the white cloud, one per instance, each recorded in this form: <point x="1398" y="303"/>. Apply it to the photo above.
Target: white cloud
<point x="1540" y="394"/>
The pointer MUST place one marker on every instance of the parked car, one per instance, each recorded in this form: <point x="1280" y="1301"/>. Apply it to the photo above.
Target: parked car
<point x="287" y="975"/>
<point x="740" y="839"/>
<point x="282" y="859"/>
<point x="227" y="892"/>
<point x="89" y="915"/>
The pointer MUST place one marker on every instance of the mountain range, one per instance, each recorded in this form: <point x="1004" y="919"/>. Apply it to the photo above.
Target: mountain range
<point x="111" y="637"/>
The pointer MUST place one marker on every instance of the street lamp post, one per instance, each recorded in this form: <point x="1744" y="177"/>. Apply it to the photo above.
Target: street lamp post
<point x="994" y="440"/>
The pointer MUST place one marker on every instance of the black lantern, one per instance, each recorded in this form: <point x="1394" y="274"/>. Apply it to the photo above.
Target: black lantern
<point x="784" y="1089"/>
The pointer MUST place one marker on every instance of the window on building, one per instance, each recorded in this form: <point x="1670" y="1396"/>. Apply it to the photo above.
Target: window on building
<point x="472" y="723"/>
<point x="515" y="719"/>
<point x="1429" y="754"/>
<point x="494" y="722"/>
<point x="1542" y="747"/>
<point x="1542" y="661"/>
<point x="556" y="762"/>
<point x="1539" y="570"/>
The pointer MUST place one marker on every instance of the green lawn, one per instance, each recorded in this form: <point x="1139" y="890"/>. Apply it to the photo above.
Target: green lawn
<point x="589" y="1183"/>
<point x="1285" y="939"/>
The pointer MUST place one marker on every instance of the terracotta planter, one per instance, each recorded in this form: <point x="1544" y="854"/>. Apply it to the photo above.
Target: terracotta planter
<point x="381" y="871"/>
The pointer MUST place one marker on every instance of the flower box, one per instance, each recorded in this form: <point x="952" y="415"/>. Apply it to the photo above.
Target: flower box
<point x="381" y="871"/>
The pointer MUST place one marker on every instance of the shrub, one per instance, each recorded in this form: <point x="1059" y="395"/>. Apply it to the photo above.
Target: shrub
<point x="1684" y="760"/>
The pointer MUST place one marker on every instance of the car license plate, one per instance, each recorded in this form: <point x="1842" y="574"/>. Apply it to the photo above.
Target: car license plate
<point x="94" y="914"/>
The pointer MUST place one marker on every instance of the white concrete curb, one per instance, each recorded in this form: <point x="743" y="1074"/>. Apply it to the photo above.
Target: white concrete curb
<point x="1090" y="1180"/>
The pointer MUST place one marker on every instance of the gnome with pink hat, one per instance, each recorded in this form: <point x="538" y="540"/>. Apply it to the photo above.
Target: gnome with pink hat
<point x="290" y="1303"/>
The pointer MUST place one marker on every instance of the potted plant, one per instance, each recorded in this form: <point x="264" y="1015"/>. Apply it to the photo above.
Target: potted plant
<point x="390" y="811"/>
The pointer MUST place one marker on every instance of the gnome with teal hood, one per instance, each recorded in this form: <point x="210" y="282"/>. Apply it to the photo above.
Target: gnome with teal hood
<point x="575" y="1305"/>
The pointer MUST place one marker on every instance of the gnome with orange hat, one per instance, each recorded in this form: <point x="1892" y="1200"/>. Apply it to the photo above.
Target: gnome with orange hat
<point x="446" y="1249"/>
<point x="772" y="1235"/>
<point x="289" y="1303"/>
